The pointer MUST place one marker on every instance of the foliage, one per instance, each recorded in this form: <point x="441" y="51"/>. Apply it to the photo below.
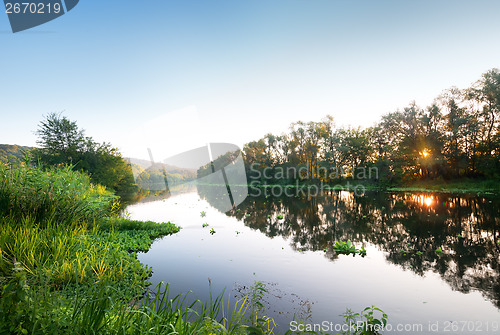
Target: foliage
<point x="457" y="136"/>
<point x="348" y="248"/>
<point x="57" y="194"/>
<point x="13" y="300"/>
<point x="61" y="142"/>
<point x="367" y="322"/>
<point x="260" y="324"/>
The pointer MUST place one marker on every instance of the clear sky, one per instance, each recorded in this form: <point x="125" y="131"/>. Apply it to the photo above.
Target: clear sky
<point x="233" y="71"/>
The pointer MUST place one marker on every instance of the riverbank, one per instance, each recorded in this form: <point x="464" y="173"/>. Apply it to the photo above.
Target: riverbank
<point x="462" y="186"/>
<point x="452" y="186"/>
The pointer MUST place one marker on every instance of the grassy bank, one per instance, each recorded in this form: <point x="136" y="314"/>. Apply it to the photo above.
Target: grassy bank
<point x="465" y="185"/>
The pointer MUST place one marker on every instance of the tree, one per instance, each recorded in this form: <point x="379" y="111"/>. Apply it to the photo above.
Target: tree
<point x="59" y="139"/>
<point x="62" y="142"/>
<point x="485" y="95"/>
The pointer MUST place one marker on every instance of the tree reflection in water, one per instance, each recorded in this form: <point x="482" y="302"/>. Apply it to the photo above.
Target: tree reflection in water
<point x="408" y="227"/>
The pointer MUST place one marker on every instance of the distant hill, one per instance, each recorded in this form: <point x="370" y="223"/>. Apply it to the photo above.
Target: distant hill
<point x="12" y="153"/>
<point x="145" y="164"/>
<point x="152" y="177"/>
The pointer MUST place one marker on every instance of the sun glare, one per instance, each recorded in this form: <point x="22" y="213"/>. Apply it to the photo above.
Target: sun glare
<point x="423" y="200"/>
<point x="425" y="153"/>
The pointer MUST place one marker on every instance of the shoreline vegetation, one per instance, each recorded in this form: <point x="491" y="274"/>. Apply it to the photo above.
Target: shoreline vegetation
<point x="452" y="186"/>
<point x="68" y="264"/>
<point x="462" y="186"/>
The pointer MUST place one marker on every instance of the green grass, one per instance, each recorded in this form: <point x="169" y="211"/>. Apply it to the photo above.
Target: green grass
<point x="464" y="185"/>
<point x="56" y="194"/>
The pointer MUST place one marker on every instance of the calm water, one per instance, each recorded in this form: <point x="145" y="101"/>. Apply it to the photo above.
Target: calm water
<point x="401" y="274"/>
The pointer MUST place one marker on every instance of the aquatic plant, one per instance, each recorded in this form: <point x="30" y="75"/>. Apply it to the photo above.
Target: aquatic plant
<point x="203" y="214"/>
<point x="347" y="248"/>
<point x="212" y="231"/>
<point x="259" y="324"/>
<point x="205" y="225"/>
<point x="371" y="320"/>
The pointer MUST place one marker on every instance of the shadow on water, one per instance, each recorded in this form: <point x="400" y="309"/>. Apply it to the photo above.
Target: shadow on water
<point x="456" y="236"/>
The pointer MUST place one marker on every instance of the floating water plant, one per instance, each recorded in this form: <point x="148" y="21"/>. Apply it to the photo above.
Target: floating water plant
<point x="410" y="250"/>
<point x="204" y="225"/>
<point x="439" y="251"/>
<point x="203" y="214"/>
<point x="280" y="217"/>
<point x="247" y="215"/>
<point x="212" y="231"/>
<point x="347" y="248"/>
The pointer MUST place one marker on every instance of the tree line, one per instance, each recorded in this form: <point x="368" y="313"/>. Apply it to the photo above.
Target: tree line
<point x="456" y="136"/>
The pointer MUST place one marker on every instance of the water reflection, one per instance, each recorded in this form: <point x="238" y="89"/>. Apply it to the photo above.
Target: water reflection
<point x="455" y="236"/>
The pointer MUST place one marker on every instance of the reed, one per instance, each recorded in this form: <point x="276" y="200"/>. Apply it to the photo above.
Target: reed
<point x="55" y="194"/>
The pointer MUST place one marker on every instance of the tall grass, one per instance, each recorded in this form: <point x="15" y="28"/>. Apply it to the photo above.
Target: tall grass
<point x="97" y="311"/>
<point x="57" y="194"/>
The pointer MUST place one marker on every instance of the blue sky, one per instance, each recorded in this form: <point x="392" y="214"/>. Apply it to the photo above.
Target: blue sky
<point x="232" y="71"/>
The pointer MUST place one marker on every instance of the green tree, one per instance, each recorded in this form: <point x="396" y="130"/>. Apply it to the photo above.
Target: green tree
<point x="485" y="96"/>
<point x="60" y="141"/>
